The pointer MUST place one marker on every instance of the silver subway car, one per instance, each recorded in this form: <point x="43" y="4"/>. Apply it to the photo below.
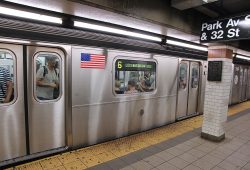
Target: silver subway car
<point x="64" y="88"/>
<point x="240" y="84"/>
<point x="124" y="93"/>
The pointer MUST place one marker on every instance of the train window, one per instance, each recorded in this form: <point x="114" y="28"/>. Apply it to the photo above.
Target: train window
<point x="195" y="76"/>
<point x="7" y="77"/>
<point x="183" y="76"/>
<point x="47" y="67"/>
<point x="245" y="76"/>
<point x="241" y="76"/>
<point x="134" y="76"/>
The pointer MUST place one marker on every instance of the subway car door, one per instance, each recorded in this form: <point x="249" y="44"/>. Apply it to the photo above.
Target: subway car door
<point x="193" y="90"/>
<point x="46" y="98"/>
<point x="12" y="112"/>
<point x="241" y="84"/>
<point x="188" y="89"/>
<point x="235" y="84"/>
<point x="183" y="89"/>
<point x="244" y="85"/>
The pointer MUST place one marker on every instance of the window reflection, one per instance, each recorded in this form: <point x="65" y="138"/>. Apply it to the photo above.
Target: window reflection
<point x="195" y="76"/>
<point x="183" y="76"/>
<point x="241" y="76"/>
<point x="47" y="76"/>
<point x="6" y="77"/>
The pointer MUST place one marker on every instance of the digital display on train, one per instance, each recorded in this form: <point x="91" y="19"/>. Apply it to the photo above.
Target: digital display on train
<point x="134" y="65"/>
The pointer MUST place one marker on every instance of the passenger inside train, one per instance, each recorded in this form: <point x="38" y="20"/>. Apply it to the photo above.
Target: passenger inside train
<point x="146" y="82"/>
<point x="6" y="86"/>
<point x="118" y="87"/>
<point x="131" y="87"/>
<point x="6" y="76"/>
<point x="47" y="79"/>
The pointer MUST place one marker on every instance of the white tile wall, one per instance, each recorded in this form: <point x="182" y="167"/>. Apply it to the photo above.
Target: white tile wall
<point x="216" y="100"/>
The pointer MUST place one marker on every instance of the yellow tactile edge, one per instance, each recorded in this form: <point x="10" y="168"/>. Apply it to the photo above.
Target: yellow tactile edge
<point x="94" y="155"/>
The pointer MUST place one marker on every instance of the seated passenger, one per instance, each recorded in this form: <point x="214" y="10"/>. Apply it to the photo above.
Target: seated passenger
<point x="131" y="87"/>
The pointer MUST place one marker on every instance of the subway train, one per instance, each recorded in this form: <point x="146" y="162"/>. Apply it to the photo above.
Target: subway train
<point x="108" y="87"/>
<point x="240" y="85"/>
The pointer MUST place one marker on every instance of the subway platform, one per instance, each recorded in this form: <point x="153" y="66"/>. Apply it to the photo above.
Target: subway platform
<point x="171" y="147"/>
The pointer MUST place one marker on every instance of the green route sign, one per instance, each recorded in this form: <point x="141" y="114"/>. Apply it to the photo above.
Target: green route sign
<point x="134" y="65"/>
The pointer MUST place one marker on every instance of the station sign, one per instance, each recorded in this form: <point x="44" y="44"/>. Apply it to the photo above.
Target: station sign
<point x="226" y="29"/>
<point x="134" y="65"/>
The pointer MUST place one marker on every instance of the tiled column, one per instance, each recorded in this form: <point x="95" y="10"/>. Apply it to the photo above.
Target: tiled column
<point x="217" y="97"/>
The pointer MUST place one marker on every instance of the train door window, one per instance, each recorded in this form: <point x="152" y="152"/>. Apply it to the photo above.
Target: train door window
<point x="245" y="75"/>
<point x="47" y="76"/>
<point x="183" y="76"/>
<point x="134" y="76"/>
<point x="7" y="77"/>
<point x="195" y="76"/>
<point x="241" y="76"/>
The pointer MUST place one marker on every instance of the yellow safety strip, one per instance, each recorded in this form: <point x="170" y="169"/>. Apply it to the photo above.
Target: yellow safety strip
<point x="100" y="153"/>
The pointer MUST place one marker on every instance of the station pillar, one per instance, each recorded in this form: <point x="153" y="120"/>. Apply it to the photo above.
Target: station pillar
<point x="217" y="95"/>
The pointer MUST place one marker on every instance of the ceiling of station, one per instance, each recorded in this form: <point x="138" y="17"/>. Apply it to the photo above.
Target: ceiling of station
<point x="152" y="16"/>
<point x="213" y="9"/>
<point x="229" y="7"/>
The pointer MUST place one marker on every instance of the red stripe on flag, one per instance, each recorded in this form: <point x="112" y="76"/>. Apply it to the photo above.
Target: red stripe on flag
<point x="96" y="61"/>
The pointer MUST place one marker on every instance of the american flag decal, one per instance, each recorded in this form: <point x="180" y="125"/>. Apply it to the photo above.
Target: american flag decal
<point x="92" y="61"/>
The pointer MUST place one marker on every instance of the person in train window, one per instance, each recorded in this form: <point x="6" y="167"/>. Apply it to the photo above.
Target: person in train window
<point x="144" y="85"/>
<point x="6" y="86"/>
<point x="182" y="83"/>
<point x="47" y="80"/>
<point x="131" y="87"/>
<point x="56" y="92"/>
<point x="117" y="87"/>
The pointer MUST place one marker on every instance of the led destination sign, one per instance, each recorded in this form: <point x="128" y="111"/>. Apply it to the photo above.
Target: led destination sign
<point x="134" y="65"/>
<point x="226" y="29"/>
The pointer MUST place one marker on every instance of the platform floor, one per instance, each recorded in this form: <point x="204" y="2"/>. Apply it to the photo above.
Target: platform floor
<point x="174" y="146"/>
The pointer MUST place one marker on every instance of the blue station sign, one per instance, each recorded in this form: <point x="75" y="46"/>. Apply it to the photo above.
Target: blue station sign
<point x="226" y="29"/>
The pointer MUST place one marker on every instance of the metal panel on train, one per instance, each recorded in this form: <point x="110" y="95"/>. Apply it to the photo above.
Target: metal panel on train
<point x="46" y="114"/>
<point x="240" y="87"/>
<point x="100" y="113"/>
<point x="188" y="88"/>
<point x="12" y="114"/>
<point x="194" y="82"/>
<point x="244" y="84"/>
<point x="235" y="85"/>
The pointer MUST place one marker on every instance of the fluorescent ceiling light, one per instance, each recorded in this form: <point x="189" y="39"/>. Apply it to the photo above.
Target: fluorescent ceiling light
<point x="242" y="57"/>
<point x="14" y="41"/>
<point x="46" y="44"/>
<point x="187" y="45"/>
<point x="29" y="15"/>
<point x="115" y="31"/>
